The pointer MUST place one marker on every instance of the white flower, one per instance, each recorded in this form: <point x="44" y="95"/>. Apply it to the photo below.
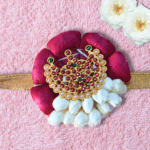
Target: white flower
<point x="119" y="87"/>
<point x="80" y="119"/>
<point x="104" y="108"/>
<point x="108" y="84"/>
<point x="94" y="118"/>
<point x="74" y="106"/>
<point x="113" y="11"/>
<point x="87" y="104"/>
<point x="60" y="103"/>
<point x="68" y="118"/>
<point x="114" y="99"/>
<point x="101" y="96"/>
<point x="55" y="118"/>
<point x="136" y="25"/>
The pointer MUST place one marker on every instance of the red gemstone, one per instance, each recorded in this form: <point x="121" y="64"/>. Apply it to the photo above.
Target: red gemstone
<point x="97" y="69"/>
<point x="75" y="60"/>
<point x="79" y="69"/>
<point x="88" y="78"/>
<point x="67" y="72"/>
<point x="68" y="67"/>
<point x="84" y="80"/>
<point x="89" y="60"/>
<point x="67" y="88"/>
<point x="77" y="83"/>
<point x="91" y="56"/>
<point x="86" y="63"/>
<point x="63" y="72"/>
<point x="70" y="84"/>
<point x="53" y="73"/>
<point x="73" y="71"/>
<point x="97" y="64"/>
<point x="83" y="67"/>
<point x="88" y="87"/>
<point x="83" y="89"/>
<point x="78" y="91"/>
<point x="91" y="67"/>
<point x="70" y="57"/>
<point x="70" y="64"/>
<point x="72" y="89"/>
<point x="53" y="67"/>
<point x="94" y="79"/>
<point x="82" y="75"/>
<point x="81" y="84"/>
<point x="55" y="78"/>
<point x="95" y="59"/>
<point x="68" y="78"/>
<point x="96" y="74"/>
<point x="74" y="78"/>
<point x="62" y="85"/>
<point x="58" y="70"/>
<point x="58" y="82"/>
<point x="60" y="76"/>
<point x="92" y="83"/>
<point x="79" y="62"/>
<point x="78" y="74"/>
<point x="68" y="52"/>
<point x="87" y="71"/>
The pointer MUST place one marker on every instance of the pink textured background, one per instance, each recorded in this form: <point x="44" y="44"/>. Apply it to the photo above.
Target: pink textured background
<point x="25" y="28"/>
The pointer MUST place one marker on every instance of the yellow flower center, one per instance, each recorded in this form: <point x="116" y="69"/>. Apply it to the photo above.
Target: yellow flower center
<point x="140" y="25"/>
<point x="118" y="9"/>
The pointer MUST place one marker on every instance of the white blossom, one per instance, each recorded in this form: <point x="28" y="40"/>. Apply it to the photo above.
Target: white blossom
<point x="68" y="118"/>
<point x="87" y="104"/>
<point x="94" y="118"/>
<point x="136" y="25"/>
<point x="104" y="108"/>
<point x="119" y="87"/>
<point x="108" y="84"/>
<point x="74" y="107"/>
<point x="60" y="103"/>
<point x="55" y="118"/>
<point x="114" y="11"/>
<point x="80" y="119"/>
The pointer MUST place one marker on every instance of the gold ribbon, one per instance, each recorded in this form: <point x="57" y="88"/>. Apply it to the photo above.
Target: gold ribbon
<point x="24" y="81"/>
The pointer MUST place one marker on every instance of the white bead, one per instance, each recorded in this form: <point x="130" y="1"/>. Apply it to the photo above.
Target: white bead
<point x="104" y="108"/>
<point x="68" y="118"/>
<point x="118" y="86"/>
<point x="60" y="103"/>
<point x="94" y="118"/>
<point x="74" y="106"/>
<point x="80" y="119"/>
<point x="108" y="84"/>
<point x="101" y="96"/>
<point x="55" y="118"/>
<point x="114" y="99"/>
<point x="87" y="104"/>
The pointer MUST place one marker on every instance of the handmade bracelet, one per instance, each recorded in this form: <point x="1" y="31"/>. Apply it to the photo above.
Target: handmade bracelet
<point x="78" y="80"/>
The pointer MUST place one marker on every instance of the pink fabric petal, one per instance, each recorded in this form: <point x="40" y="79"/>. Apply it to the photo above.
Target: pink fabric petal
<point x="38" y="71"/>
<point x="43" y="96"/>
<point x="63" y="41"/>
<point x="97" y="41"/>
<point x="118" y="67"/>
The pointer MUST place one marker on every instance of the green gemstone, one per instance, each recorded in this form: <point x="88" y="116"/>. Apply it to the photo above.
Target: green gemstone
<point x="91" y="74"/>
<point x="74" y="65"/>
<point x="79" y="79"/>
<point x="50" y="60"/>
<point x="88" y="48"/>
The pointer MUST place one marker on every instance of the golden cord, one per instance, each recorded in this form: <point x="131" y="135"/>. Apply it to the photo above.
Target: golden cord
<point x="24" y="81"/>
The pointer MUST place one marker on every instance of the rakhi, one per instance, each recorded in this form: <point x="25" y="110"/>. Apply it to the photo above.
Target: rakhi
<point x="78" y="80"/>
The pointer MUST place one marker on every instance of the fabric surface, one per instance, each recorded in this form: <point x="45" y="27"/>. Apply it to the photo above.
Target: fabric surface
<point x="25" y="28"/>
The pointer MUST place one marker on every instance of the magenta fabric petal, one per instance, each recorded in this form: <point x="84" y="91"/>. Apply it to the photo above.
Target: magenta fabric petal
<point x="97" y="41"/>
<point x="38" y="71"/>
<point x="43" y="96"/>
<point x="118" y="67"/>
<point x="63" y="41"/>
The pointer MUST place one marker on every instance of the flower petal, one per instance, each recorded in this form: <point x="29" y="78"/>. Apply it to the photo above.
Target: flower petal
<point x="38" y="71"/>
<point x="118" y="67"/>
<point x="97" y="41"/>
<point x="63" y="41"/>
<point x="43" y="96"/>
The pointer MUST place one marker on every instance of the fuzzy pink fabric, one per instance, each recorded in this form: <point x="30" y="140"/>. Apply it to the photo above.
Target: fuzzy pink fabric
<point x="25" y="28"/>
